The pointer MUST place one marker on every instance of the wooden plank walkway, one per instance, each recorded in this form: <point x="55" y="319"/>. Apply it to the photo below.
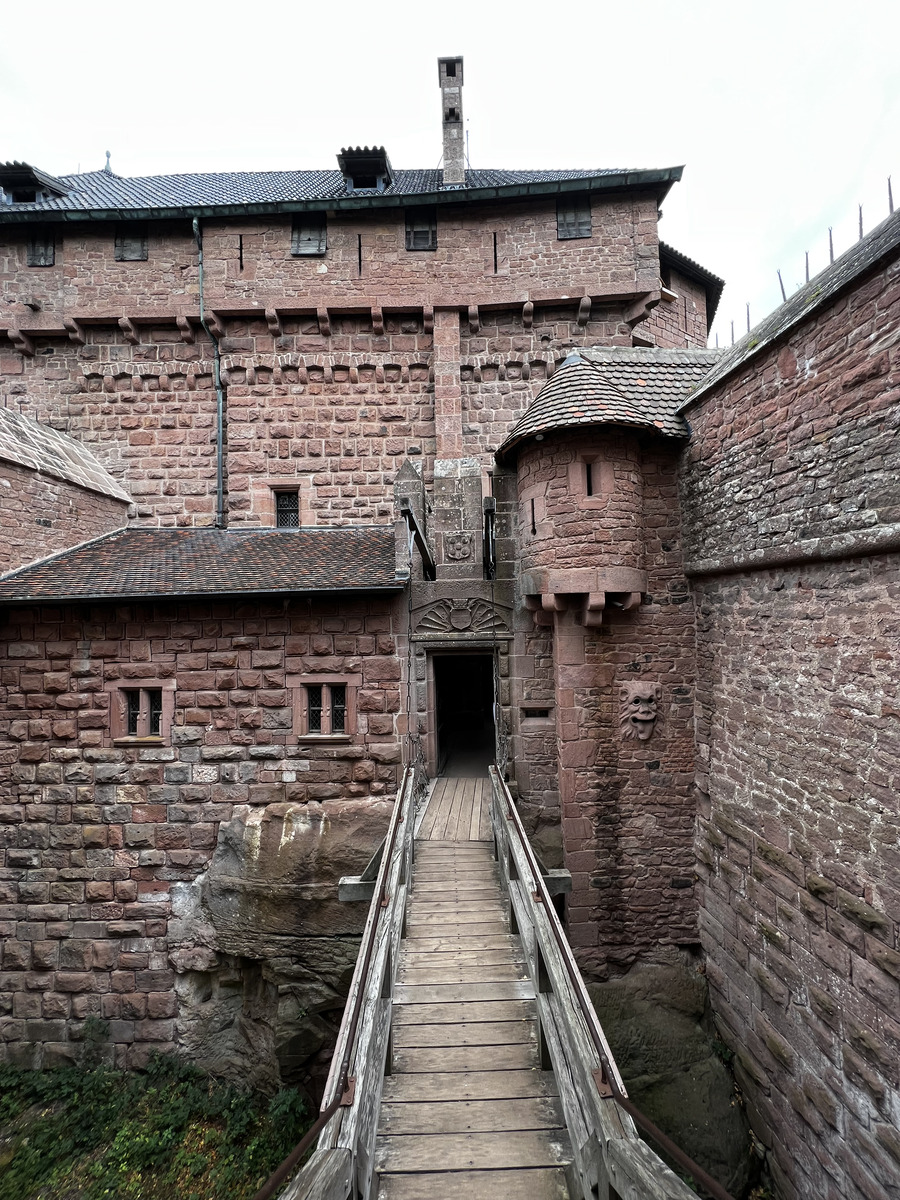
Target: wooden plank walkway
<point x="467" y="1113"/>
<point x="458" y="810"/>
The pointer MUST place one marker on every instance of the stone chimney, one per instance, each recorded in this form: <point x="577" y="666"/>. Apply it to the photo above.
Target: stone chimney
<point x="450" y="73"/>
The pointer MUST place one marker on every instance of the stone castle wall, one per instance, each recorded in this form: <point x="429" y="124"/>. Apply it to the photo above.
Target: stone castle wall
<point x="97" y="832"/>
<point x="40" y="515"/>
<point x="790" y="497"/>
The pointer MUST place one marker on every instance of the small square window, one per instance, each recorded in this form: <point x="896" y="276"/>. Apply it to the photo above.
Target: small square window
<point x="421" y="229"/>
<point x="325" y="707"/>
<point x="287" y="510"/>
<point x="131" y="243"/>
<point x="573" y="217"/>
<point x="309" y="235"/>
<point x="141" y="710"/>
<point x="41" y="249"/>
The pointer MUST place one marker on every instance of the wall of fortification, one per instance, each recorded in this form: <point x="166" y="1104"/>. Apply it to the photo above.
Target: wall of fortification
<point x="40" y="515"/>
<point x="791" y="502"/>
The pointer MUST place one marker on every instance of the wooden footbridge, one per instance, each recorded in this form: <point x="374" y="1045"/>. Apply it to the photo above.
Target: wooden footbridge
<point x="470" y="1064"/>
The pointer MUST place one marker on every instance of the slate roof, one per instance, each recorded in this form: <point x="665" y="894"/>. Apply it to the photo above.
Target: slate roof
<point x="883" y="241"/>
<point x="102" y="191"/>
<point x="620" y="385"/>
<point x="41" y="448"/>
<point x="153" y="563"/>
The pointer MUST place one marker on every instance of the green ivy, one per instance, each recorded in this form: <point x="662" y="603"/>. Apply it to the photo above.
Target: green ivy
<point x="168" y="1132"/>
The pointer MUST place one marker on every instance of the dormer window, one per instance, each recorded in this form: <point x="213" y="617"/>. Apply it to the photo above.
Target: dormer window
<point x="24" y="184"/>
<point x="366" y="170"/>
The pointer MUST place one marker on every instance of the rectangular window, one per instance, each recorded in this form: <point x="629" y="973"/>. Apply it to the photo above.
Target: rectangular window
<point x="573" y="217"/>
<point x="287" y="510"/>
<point x="41" y="249"/>
<point x="131" y="243"/>
<point x="142" y="712"/>
<point x="421" y="229"/>
<point x="142" y="709"/>
<point x="309" y="235"/>
<point x="324" y="707"/>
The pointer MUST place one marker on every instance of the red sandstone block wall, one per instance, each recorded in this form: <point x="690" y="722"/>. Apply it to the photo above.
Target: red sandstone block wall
<point x="681" y="321"/>
<point x="40" y="515"/>
<point x="627" y="807"/>
<point x="93" y="833"/>
<point x="794" y="462"/>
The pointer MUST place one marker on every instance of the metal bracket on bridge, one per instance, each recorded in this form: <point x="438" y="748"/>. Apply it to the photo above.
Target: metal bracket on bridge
<point x="349" y="1094"/>
<point x="602" y="1084"/>
<point x="353" y="888"/>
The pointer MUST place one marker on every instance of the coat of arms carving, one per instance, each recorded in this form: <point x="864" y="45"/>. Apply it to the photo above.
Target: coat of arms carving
<point x="458" y="545"/>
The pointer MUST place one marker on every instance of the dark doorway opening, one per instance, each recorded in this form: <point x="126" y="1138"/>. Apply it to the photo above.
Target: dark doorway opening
<point x="464" y="689"/>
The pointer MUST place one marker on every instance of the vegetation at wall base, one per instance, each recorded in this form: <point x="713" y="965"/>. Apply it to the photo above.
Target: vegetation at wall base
<point x="167" y="1133"/>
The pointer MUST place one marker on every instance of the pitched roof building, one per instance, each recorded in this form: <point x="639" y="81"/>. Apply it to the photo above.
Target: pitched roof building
<point x="305" y="475"/>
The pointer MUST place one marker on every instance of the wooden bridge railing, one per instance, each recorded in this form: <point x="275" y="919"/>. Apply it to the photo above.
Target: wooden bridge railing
<point x="611" y="1159"/>
<point x="348" y="1118"/>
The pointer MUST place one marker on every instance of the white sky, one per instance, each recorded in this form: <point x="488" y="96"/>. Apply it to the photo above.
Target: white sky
<point x="786" y="113"/>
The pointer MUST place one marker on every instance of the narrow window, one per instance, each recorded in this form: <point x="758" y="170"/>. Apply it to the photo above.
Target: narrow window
<point x="314" y="707"/>
<point x="41" y="249"/>
<point x="154" y="714"/>
<point x="421" y="229"/>
<point x="573" y="217"/>
<point x="495" y="254"/>
<point x="589" y="478"/>
<point x="287" y="510"/>
<point x="450" y="70"/>
<point x="133" y="712"/>
<point x="359" y="253"/>
<point x="131" y="243"/>
<point x="533" y="522"/>
<point x="241" y="251"/>
<point x="310" y="235"/>
<point x="338" y="707"/>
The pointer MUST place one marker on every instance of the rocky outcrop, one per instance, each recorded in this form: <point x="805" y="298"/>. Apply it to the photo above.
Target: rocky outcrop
<point x="655" y="1019"/>
<point x="262" y="948"/>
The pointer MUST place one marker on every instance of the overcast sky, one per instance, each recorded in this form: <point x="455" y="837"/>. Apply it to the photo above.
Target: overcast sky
<point x="785" y="113"/>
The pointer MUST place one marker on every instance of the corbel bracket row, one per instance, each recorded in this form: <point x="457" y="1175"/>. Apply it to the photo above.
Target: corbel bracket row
<point x="587" y="592"/>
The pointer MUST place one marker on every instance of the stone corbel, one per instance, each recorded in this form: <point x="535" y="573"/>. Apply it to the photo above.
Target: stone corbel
<point x="21" y="341"/>
<point x="377" y="322"/>
<point x="584" y="311"/>
<point x="74" y="330"/>
<point x="589" y="592"/>
<point x="527" y="314"/>
<point x="274" y="322"/>
<point x="474" y="319"/>
<point x="186" y="329"/>
<point x="428" y="319"/>
<point x="215" y="325"/>
<point x="324" y="322"/>
<point x="639" y="309"/>
<point x="129" y="330"/>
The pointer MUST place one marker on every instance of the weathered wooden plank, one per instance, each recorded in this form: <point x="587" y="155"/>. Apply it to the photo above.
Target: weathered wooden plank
<point x="465" y="879"/>
<point x="471" y="1116"/>
<point x="424" y="993"/>
<point x="458" y="1013"/>
<point x="468" y="1085"/>
<point x="434" y="925"/>
<point x="489" y="903"/>
<point x="446" y="973"/>
<point x="468" y="1033"/>
<point x="519" y="1056"/>
<point x="539" y="1184"/>
<point x="417" y="958"/>
<point x="472" y="1151"/>
<point x="326" y="1176"/>
<point x="461" y="943"/>
<point x="457" y="916"/>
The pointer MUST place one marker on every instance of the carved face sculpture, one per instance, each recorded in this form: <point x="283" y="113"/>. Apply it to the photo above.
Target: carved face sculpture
<point x="639" y="709"/>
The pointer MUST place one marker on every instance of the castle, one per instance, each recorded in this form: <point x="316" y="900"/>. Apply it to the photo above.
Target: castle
<point x="308" y="474"/>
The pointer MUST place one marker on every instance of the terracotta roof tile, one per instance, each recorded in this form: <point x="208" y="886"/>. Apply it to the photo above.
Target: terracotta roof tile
<point x="211" y="562"/>
<point x="639" y="387"/>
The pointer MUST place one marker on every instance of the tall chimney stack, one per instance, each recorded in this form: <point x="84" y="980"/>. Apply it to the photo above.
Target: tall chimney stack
<point x="450" y="73"/>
